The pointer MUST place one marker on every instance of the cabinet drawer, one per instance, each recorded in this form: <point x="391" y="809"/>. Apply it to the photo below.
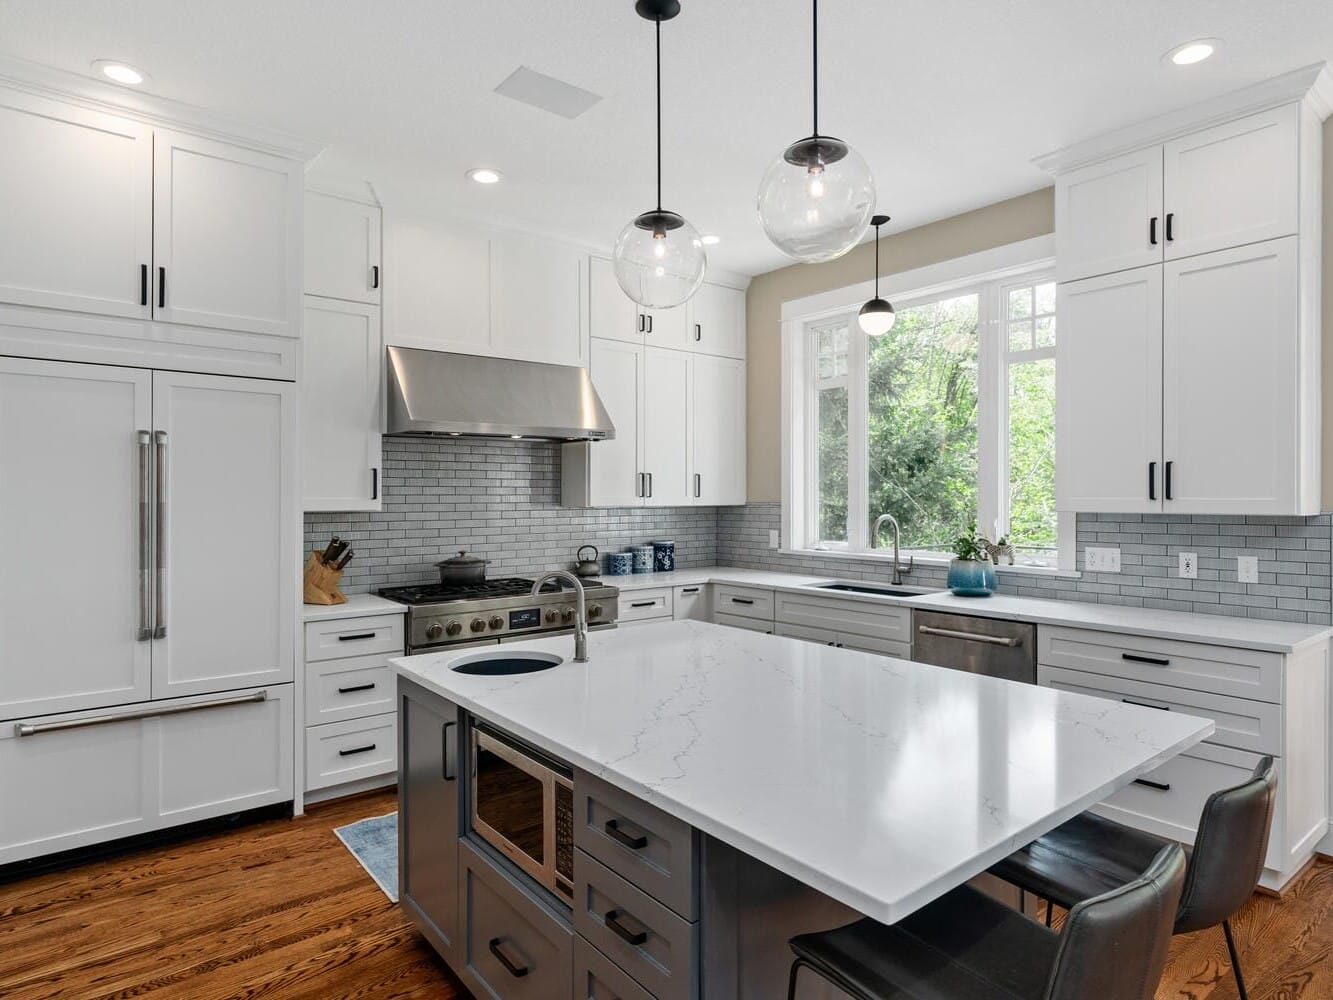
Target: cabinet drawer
<point x="749" y="624"/>
<point x="596" y="977"/>
<point x="745" y="602"/>
<point x="349" y="751"/>
<point x="861" y="643"/>
<point x="653" y="850"/>
<point x="337" y="690"/>
<point x="1244" y="673"/>
<point x="332" y="640"/>
<point x="641" y="605"/>
<point x="1246" y="725"/>
<point x="514" y="947"/>
<point x="655" y="946"/>
<point x="855" y="617"/>
<point x="691" y="602"/>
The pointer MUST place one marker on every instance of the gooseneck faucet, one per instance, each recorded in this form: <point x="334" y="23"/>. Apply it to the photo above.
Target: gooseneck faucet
<point x="898" y="570"/>
<point x="581" y="611"/>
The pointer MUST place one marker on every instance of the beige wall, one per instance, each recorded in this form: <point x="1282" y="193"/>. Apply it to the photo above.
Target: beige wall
<point x="995" y="225"/>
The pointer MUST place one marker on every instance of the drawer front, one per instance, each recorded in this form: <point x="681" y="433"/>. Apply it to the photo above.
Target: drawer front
<point x="655" y="851"/>
<point x="654" y="945"/>
<point x="819" y="636"/>
<point x="861" y="643"/>
<point x="349" y="751"/>
<point x="854" y="617"/>
<point x="641" y="605"/>
<point x="744" y="602"/>
<point x="691" y="602"/>
<point x="736" y="621"/>
<point x="337" y="690"/>
<point x="513" y="946"/>
<point x="596" y="977"/>
<point x="1242" y="673"/>
<point x="1246" y="725"/>
<point x="342" y="637"/>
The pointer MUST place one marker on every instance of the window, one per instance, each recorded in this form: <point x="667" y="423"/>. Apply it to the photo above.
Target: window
<point x="947" y="418"/>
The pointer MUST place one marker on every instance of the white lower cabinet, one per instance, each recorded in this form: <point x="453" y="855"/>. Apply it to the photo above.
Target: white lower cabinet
<point x="740" y="621"/>
<point x="83" y="778"/>
<point x="692" y="602"/>
<point x="341" y="752"/>
<point x="638" y="606"/>
<point x="845" y="640"/>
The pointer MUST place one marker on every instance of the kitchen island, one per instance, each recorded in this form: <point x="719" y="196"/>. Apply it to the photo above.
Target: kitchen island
<point x="731" y="789"/>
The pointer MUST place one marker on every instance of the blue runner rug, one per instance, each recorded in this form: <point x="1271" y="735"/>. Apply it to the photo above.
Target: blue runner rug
<point x="374" y="843"/>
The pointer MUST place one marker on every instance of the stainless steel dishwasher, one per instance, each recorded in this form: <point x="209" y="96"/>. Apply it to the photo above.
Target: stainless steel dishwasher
<point x="990" y="646"/>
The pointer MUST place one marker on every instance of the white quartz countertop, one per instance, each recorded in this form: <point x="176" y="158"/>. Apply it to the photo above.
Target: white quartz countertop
<point x="1220" y="630"/>
<point x="357" y="606"/>
<point x="880" y="782"/>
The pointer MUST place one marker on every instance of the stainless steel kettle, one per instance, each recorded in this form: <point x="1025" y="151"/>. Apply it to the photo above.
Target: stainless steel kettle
<point x="591" y="566"/>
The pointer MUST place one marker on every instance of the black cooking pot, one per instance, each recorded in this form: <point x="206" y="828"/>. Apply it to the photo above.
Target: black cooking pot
<point x="463" y="568"/>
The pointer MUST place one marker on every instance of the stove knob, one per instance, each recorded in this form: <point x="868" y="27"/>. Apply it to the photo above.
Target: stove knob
<point x="552" y="616"/>
<point x="454" y="627"/>
<point x="566" y="614"/>
<point x="594" y="611"/>
<point x="497" y="622"/>
<point x="434" y="630"/>
<point x="478" y="625"/>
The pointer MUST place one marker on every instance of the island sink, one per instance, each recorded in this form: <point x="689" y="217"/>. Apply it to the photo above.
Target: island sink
<point x="504" y="663"/>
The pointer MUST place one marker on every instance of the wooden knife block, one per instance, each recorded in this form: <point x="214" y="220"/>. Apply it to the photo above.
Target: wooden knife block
<point x="321" y="582"/>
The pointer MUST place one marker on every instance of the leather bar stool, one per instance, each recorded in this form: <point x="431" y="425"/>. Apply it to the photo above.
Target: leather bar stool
<point x="1089" y="854"/>
<point x="967" y="946"/>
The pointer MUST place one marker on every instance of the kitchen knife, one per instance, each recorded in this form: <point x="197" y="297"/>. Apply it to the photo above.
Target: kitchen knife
<point x="347" y="557"/>
<point x="328" y="554"/>
<point x="338" y="550"/>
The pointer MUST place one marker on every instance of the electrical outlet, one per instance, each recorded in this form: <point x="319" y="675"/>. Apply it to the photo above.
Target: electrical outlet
<point x="1189" y="565"/>
<point x="1101" y="560"/>
<point x="772" y="539"/>
<point x="1247" y="569"/>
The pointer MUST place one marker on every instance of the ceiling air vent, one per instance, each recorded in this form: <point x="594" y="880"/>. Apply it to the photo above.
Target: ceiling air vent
<point x="546" y="92"/>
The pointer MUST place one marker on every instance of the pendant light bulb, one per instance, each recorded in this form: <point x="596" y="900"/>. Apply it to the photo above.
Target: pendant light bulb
<point x="877" y="317"/>
<point x="659" y="258"/>
<point x="816" y="198"/>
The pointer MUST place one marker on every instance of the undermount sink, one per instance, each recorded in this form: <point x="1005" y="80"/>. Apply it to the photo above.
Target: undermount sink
<point x="500" y="663"/>
<point x="867" y="588"/>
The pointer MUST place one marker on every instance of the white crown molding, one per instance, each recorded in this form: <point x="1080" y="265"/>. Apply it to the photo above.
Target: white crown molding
<point x="1312" y="84"/>
<point x="45" y="81"/>
<point x="360" y="191"/>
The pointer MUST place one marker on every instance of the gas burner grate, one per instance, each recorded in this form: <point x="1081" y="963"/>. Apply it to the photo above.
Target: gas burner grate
<point x="439" y="593"/>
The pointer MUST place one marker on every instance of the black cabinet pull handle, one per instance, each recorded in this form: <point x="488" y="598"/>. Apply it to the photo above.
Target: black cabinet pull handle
<point x="1170" y="219"/>
<point x="374" y="484"/>
<point x="143" y="284"/>
<point x="643" y="327"/>
<point x="650" y="324"/>
<point x="643" y="604"/>
<point x="1167" y="478"/>
<point x="613" y="831"/>
<point x="161" y="287"/>
<point x="357" y="687"/>
<point x="635" y="938"/>
<point x="1161" y="786"/>
<point x="1152" y="480"/>
<point x="444" y="751"/>
<point x="1152" y="231"/>
<point x="1144" y="704"/>
<point x="689" y="590"/>
<point x="374" y="276"/>
<point x="355" y="636"/>
<point x="698" y="332"/>
<point x="649" y="475"/>
<point x="517" y="971"/>
<point x="698" y="485"/>
<point x="1156" y="661"/>
<point x="741" y="600"/>
<point x="356" y="750"/>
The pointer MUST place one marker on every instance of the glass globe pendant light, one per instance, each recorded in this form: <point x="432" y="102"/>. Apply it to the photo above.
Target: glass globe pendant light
<point x="877" y="317"/>
<point x="816" y="198"/>
<point x="659" y="259"/>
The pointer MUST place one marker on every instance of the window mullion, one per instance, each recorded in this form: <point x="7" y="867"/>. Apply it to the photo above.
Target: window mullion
<point x="858" y="434"/>
<point x="992" y="387"/>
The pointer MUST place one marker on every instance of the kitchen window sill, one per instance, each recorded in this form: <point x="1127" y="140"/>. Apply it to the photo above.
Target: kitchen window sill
<point x="932" y="560"/>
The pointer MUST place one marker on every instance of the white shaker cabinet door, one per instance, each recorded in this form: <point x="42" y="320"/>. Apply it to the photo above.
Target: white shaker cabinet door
<point x="536" y="300"/>
<point x="1230" y="428"/>
<point x="611" y="313"/>
<point x="342" y="248"/>
<point x="668" y="328"/>
<point x="717" y="321"/>
<point x="78" y="186"/>
<point x="719" y="431"/>
<point x="226" y="236"/>
<point x="227" y="533"/>
<point x="342" y="368"/>
<point x="439" y="297"/>
<point x="666" y="427"/>
<point x="1233" y="184"/>
<point x="614" y="466"/>
<point x="71" y="483"/>
<point x="1109" y="406"/>
<point x="1108" y="216"/>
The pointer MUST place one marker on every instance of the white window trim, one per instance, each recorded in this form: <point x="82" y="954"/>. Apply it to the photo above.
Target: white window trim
<point x="986" y="267"/>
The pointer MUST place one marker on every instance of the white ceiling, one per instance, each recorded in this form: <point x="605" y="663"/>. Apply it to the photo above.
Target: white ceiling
<point x="949" y="100"/>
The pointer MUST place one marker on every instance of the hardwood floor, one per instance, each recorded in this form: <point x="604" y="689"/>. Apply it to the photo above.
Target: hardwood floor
<point x="282" y="910"/>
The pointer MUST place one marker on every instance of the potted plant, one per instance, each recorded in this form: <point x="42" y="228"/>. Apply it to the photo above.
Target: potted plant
<point x="971" y="573"/>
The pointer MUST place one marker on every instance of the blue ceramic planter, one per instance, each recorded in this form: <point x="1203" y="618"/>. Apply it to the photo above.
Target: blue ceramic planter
<point x="971" y="578"/>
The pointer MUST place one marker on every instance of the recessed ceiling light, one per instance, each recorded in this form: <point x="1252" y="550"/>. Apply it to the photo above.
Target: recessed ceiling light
<point x="484" y="175"/>
<point x="709" y="241"/>
<point x="1193" y="52"/>
<point x="119" y="72"/>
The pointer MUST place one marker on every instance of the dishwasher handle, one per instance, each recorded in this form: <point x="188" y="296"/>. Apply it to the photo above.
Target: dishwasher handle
<point x="990" y="640"/>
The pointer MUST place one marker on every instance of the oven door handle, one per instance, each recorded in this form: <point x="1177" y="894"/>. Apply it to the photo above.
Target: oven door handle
<point x="949" y="633"/>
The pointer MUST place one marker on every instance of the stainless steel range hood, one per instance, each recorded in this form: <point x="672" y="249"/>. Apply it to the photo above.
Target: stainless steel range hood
<point x="434" y="393"/>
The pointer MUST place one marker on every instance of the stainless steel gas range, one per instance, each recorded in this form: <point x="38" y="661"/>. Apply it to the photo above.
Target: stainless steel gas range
<point x="455" y="616"/>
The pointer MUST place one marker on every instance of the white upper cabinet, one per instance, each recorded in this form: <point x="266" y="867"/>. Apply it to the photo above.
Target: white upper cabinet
<point x="718" y="424"/>
<point x="667" y="444"/>
<point x="717" y="321"/>
<point x="440" y="295"/>
<point x="342" y="369"/>
<point x="537" y="300"/>
<point x="76" y="200"/>
<point x="609" y="473"/>
<point x="611" y="313"/>
<point x="669" y="328"/>
<point x="342" y="248"/>
<point x="226" y="236"/>
<point x="1233" y="184"/>
<point x="1108" y="215"/>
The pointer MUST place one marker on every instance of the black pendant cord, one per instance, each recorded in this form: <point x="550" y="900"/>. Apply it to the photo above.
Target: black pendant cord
<point x="658" y="23"/>
<point x="877" y="262"/>
<point x="814" y="46"/>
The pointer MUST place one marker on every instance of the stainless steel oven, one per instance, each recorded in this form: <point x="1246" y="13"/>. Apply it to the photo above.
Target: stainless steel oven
<point x="523" y="806"/>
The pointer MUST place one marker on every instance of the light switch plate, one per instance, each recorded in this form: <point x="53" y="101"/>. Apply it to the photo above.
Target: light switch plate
<point x="1247" y="569"/>
<point x="772" y="539"/>
<point x="1098" y="560"/>
<point x="1189" y="565"/>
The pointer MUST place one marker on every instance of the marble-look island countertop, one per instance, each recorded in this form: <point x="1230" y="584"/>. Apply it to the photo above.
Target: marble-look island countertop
<point x="879" y="782"/>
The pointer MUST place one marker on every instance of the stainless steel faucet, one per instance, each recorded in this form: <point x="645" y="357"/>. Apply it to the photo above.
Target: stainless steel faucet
<point x="581" y="610"/>
<point x="898" y="569"/>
